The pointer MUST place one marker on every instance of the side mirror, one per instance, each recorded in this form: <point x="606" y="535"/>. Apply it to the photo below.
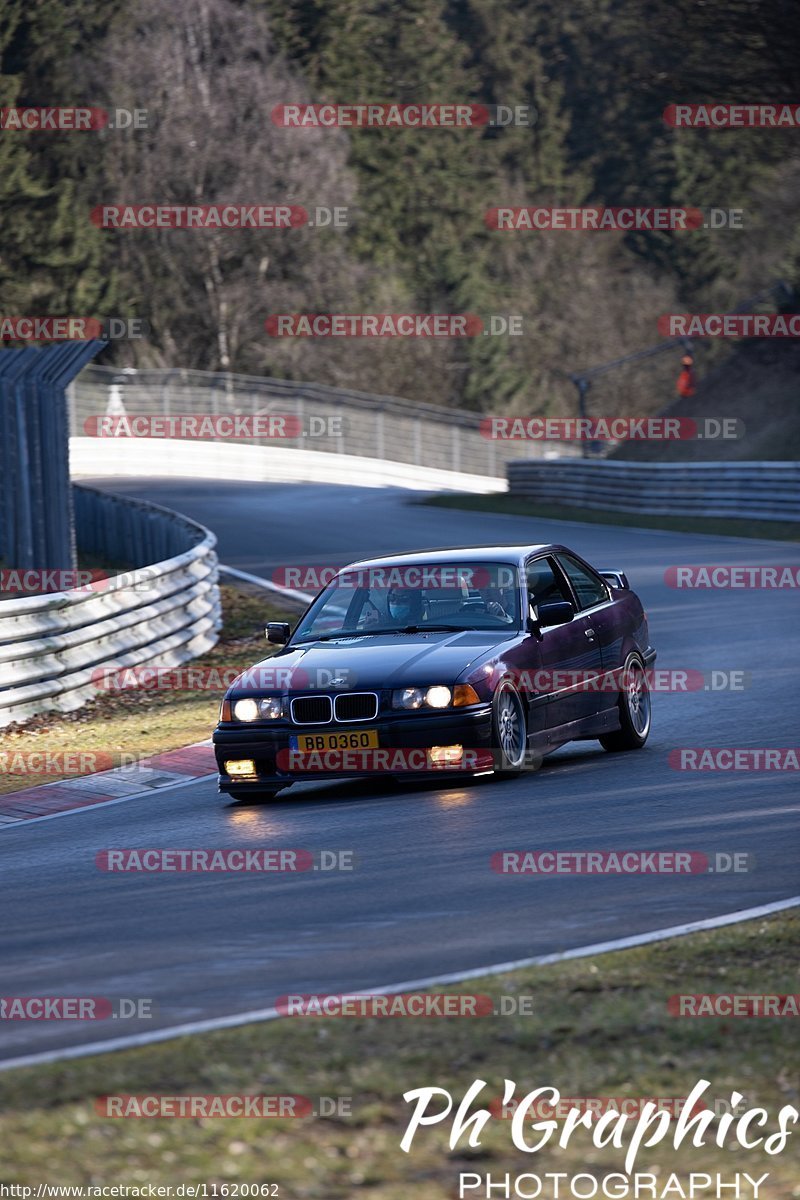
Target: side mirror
<point x="556" y="612"/>
<point x="278" y="632"/>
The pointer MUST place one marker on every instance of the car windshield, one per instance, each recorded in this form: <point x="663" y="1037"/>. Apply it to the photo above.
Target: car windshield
<point x="406" y="598"/>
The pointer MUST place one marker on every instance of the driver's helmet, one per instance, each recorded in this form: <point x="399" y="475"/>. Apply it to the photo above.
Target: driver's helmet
<point x="405" y="605"/>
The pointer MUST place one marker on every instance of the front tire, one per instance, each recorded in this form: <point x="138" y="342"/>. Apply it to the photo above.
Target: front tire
<point x="634" y="710"/>
<point x="509" y="729"/>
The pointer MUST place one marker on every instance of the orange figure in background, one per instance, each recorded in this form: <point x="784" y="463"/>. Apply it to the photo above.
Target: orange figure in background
<point x="685" y="384"/>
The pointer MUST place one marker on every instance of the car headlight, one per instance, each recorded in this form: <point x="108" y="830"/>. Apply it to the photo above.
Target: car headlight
<point x="245" y="710"/>
<point x="436" y="696"/>
<point x="268" y="708"/>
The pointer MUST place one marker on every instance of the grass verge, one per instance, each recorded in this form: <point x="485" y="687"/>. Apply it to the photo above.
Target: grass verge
<point x="146" y="721"/>
<point x="502" y="502"/>
<point x="600" y="1027"/>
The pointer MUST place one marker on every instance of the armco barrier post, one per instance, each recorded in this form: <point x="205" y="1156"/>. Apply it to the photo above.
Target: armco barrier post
<point x="36" y="523"/>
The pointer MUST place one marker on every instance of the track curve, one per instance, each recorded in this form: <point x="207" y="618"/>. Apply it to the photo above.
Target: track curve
<point x="422" y="900"/>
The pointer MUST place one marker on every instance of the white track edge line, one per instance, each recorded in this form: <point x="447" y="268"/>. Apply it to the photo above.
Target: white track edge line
<point x="290" y="593"/>
<point x="132" y="1041"/>
<point x="73" y="812"/>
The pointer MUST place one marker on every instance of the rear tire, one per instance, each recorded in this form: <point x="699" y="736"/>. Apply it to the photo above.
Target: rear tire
<point x="634" y="710"/>
<point x="509" y="729"/>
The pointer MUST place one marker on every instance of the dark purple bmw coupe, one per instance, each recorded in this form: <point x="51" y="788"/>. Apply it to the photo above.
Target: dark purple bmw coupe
<point x="472" y="660"/>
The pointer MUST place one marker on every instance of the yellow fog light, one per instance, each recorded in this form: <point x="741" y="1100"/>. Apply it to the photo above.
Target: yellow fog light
<point x="240" y="766"/>
<point x="446" y="755"/>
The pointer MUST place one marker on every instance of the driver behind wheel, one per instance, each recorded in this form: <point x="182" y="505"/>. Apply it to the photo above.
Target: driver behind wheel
<point x="405" y="605"/>
<point x="493" y="602"/>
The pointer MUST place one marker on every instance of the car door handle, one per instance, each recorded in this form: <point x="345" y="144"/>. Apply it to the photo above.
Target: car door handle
<point x="588" y="633"/>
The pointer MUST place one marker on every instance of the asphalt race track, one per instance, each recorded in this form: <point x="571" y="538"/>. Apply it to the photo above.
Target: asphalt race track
<point x="422" y="900"/>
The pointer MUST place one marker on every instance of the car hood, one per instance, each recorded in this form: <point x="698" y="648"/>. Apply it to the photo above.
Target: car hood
<point x="384" y="661"/>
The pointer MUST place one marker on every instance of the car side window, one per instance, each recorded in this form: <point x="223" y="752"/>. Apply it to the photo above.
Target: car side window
<point x="588" y="587"/>
<point x="544" y="586"/>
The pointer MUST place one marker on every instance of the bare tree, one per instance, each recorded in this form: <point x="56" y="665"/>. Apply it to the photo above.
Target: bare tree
<point x="209" y="77"/>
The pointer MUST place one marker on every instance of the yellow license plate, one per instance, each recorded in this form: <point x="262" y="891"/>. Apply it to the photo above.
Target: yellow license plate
<point x="352" y="739"/>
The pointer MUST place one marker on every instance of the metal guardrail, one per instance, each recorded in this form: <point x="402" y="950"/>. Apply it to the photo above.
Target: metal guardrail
<point x="766" y="491"/>
<point x="380" y="427"/>
<point x="51" y="645"/>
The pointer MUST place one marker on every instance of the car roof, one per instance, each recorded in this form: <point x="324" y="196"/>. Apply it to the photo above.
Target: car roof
<point x="514" y="553"/>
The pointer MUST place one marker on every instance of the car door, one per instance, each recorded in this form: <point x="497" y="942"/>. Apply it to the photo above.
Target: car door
<point x="593" y="598"/>
<point x="569" y="654"/>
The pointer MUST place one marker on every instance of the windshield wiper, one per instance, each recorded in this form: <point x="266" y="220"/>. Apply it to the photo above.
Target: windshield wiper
<point x="344" y="633"/>
<point x="435" y="628"/>
<point x="359" y="633"/>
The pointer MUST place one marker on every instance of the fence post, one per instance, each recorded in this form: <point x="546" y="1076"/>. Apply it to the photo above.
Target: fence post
<point x="38" y="523"/>
<point x="379" y="434"/>
<point x="456" y="444"/>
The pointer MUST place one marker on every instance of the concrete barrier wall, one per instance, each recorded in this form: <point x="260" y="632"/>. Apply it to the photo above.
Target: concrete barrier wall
<point x="764" y="491"/>
<point x="261" y="464"/>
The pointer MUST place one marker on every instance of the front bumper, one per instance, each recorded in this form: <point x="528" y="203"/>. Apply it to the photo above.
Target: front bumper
<point x="269" y="748"/>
